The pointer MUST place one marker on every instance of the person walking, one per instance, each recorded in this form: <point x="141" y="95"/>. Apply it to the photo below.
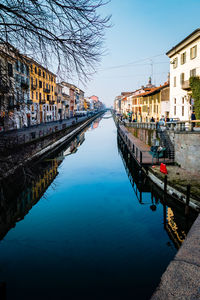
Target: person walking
<point x="152" y="119"/>
<point x="193" y="118"/>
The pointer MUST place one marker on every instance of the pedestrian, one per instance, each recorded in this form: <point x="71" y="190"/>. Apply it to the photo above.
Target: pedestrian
<point x="157" y="124"/>
<point x="152" y="119"/>
<point x="193" y="118"/>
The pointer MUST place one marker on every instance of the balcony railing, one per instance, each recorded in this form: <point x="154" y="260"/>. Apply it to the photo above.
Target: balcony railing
<point x="65" y="102"/>
<point x="51" y="102"/>
<point x="46" y="90"/>
<point x="3" y="88"/>
<point x="33" y="86"/>
<point x="42" y="101"/>
<point x="185" y="85"/>
<point x="29" y="101"/>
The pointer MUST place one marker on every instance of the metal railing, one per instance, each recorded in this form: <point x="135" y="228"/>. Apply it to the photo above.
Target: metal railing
<point x="187" y="125"/>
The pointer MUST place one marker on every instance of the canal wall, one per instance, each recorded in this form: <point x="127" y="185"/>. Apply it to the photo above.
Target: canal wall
<point x="181" y="279"/>
<point x="30" y="152"/>
<point x="145" y="163"/>
<point x="186" y="146"/>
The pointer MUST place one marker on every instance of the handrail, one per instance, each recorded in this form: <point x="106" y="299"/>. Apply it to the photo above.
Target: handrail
<point x="186" y="125"/>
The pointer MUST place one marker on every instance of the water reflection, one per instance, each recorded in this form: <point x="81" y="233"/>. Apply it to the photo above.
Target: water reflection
<point x="88" y="230"/>
<point x="175" y="222"/>
<point x="31" y="184"/>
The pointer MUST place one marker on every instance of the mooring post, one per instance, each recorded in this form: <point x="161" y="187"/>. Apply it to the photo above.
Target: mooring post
<point x="187" y="199"/>
<point x="165" y="184"/>
<point x="140" y="157"/>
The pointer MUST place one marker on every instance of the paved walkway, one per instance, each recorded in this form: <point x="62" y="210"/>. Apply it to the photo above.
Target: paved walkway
<point x="139" y="149"/>
<point x="27" y="134"/>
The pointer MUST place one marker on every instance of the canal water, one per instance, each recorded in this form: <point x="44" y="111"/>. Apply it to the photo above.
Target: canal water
<point x="80" y="223"/>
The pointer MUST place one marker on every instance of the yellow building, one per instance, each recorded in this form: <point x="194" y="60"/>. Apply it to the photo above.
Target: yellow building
<point x="151" y="104"/>
<point x="42" y="93"/>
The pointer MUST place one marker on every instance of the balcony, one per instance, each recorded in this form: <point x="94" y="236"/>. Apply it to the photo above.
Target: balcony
<point x="29" y="101"/>
<point x="24" y="85"/>
<point x="3" y="88"/>
<point x="185" y="85"/>
<point x="11" y="106"/>
<point x="64" y="102"/>
<point x="33" y="86"/>
<point x="51" y="102"/>
<point x="46" y="90"/>
<point x="42" y="101"/>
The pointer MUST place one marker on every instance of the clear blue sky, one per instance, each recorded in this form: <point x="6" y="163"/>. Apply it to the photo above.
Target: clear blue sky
<point x="141" y="29"/>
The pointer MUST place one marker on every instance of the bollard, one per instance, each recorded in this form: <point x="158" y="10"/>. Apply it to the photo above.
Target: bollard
<point x="187" y="199"/>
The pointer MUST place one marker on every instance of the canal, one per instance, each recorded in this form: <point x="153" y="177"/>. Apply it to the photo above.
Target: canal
<point x="80" y="222"/>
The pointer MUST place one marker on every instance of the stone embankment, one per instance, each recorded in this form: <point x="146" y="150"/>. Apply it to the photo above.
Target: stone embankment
<point x="181" y="280"/>
<point x="18" y="155"/>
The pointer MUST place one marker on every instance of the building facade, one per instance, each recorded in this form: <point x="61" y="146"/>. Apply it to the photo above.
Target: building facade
<point x="184" y="63"/>
<point x="42" y="94"/>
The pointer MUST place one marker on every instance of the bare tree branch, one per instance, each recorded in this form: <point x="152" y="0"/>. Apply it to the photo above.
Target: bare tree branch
<point x="70" y="31"/>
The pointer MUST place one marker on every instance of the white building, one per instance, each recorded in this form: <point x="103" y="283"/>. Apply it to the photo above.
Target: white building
<point x="184" y="63"/>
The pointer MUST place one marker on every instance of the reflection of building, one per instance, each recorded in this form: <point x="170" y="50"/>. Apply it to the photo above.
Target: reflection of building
<point x="173" y="215"/>
<point x="72" y="148"/>
<point x="175" y="232"/>
<point x="95" y="124"/>
<point x="14" y="211"/>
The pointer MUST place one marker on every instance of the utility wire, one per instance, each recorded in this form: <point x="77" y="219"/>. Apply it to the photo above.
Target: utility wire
<point x="130" y="63"/>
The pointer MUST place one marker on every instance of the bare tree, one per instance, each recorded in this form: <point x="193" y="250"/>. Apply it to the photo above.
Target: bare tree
<point x="69" y="31"/>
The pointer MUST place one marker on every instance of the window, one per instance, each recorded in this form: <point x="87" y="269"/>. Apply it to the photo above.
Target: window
<point x="35" y="70"/>
<point x="182" y="78"/>
<point x="40" y="84"/>
<point x="43" y="75"/>
<point x="182" y="100"/>
<point x="17" y="65"/>
<point x="39" y="72"/>
<point x="32" y="95"/>
<point x="183" y="58"/>
<point x="52" y="88"/>
<point x="48" y="97"/>
<point x="174" y="110"/>
<point x="10" y="70"/>
<point x="27" y="70"/>
<point x="175" y="63"/>
<point x="193" y="52"/>
<point x="174" y="100"/>
<point x="22" y="68"/>
<point x="36" y="82"/>
<point x="175" y="81"/>
<point x="182" y="111"/>
<point x="40" y="96"/>
<point x="31" y="68"/>
<point x="193" y="73"/>
<point x="37" y="95"/>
